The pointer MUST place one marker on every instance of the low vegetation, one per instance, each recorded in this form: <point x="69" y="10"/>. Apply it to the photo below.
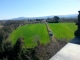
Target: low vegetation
<point x="63" y="31"/>
<point x="1" y="26"/>
<point x="31" y="34"/>
<point x="31" y="41"/>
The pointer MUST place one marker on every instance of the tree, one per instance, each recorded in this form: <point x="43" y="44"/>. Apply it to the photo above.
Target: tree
<point x="56" y="18"/>
<point x="17" y="48"/>
<point x="7" y="54"/>
<point x="1" y="43"/>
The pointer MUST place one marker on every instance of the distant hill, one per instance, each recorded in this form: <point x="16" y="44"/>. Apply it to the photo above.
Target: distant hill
<point x="45" y="17"/>
<point x="63" y="16"/>
<point x="69" y="16"/>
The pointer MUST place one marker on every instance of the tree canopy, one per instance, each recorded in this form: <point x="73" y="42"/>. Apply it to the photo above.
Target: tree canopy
<point x="56" y="18"/>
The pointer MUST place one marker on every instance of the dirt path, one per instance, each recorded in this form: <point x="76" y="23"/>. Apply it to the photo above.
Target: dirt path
<point x="51" y="35"/>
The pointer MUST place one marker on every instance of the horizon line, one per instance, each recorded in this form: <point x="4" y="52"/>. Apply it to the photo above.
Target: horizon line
<point x="35" y="16"/>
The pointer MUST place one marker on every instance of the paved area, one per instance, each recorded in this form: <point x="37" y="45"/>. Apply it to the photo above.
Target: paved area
<point x="69" y="52"/>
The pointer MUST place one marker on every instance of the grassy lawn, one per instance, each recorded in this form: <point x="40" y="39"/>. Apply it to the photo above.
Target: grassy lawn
<point x="31" y="33"/>
<point x="63" y="30"/>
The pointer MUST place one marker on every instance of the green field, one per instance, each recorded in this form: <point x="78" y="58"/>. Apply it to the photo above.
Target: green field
<point x="29" y="33"/>
<point x="63" y="30"/>
<point x="33" y="32"/>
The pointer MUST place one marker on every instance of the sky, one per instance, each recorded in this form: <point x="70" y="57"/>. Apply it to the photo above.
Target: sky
<point x="37" y="8"/>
